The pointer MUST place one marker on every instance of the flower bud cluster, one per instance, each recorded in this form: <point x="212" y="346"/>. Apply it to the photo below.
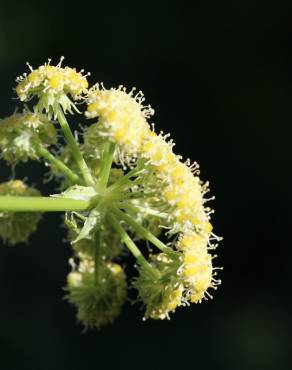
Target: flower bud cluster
<point x="122" y="117"/>
<point x="21" y="135"/>
<point x="197" y="270"/>
<point x="164" y="293"/>
<point x="17" y="227"/>
<point x="97" y="304"/>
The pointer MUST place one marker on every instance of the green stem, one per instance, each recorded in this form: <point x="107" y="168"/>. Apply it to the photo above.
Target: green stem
<point x="146" y="234"/>
<point x="41" y="204"/>
<point x="97" y="256"/>
<point x="125" y="180"/>
<point x="106" y="164"/>
<point x="74" y="148"/>
<point x="43" y="152"/>
<point x="132" y="246"/>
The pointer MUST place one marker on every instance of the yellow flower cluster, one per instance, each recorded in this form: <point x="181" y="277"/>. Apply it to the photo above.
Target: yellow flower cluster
<point x="197" y="270"/>
<point x="183" y="191"/>
<point x="172" y="299"/>
<point x="52" y="84"/>
<point x="122" y="116"/>
<point x="52" y="79"/>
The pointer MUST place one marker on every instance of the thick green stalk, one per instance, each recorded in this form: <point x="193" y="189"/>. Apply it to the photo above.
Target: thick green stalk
<point x="44" y="153"/>
<point x="144" y="233"/>
<point x="132" y="246"/>
<point x="106" y="164"/>
<point x="74" y="148"/>
<point x="41" y="204"/>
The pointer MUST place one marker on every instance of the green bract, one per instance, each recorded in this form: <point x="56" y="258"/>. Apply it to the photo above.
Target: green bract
<point x="84" y="243"/>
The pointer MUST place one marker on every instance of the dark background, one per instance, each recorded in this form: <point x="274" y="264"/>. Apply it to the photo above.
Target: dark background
<point x="219" y="77"/>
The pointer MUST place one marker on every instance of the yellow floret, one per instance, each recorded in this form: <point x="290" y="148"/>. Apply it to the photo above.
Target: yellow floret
<point x="197" y="269"/>
<point x="192" y="240"/>
<point x="157" y="150"/>
<point x="196" y="297"/>
<point x="55" y="82"/>
<point x="190" y="258"/>
<point x="33" y="77"/>
<point x="175" y="298"/>
<point x="170" y="303"/>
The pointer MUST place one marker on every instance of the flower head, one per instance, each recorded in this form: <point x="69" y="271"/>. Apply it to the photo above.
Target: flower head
<point x="122" y="116"/>
<point x="17" y="227"/>
<point x="164" y="294"/>
<point x="97" y="304"/>
<point x="21" y="135"/>
<point x="53" y="86"/>
<point x="128" y="185"/>
<point x="183" y="191"/>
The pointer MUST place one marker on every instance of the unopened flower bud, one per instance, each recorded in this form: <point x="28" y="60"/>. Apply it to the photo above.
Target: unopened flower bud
<point x="98" y="302"/>
<point x="17" y="227"/>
